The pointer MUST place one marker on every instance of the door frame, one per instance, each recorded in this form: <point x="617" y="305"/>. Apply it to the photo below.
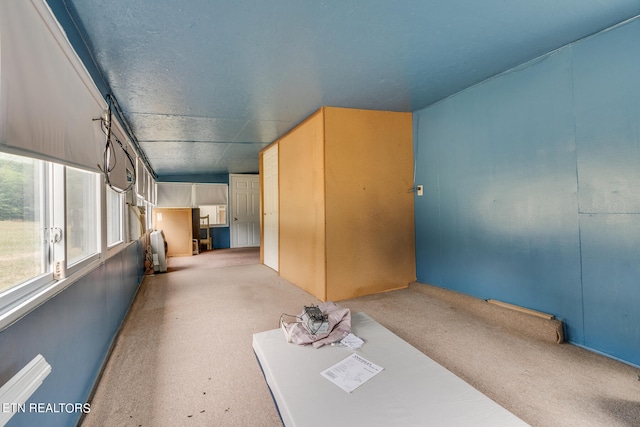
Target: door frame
<point x="270" y="221"/>
<point x="232" y="207"/>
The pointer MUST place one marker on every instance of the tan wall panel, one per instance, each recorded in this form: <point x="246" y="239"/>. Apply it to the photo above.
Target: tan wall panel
<point x="301" y="177"/>
<point x="369" y="204"/>
<point x="177" y="227"/>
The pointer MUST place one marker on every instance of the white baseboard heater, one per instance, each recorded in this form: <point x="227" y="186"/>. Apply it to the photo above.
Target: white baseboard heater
<point x="18" y="389"/>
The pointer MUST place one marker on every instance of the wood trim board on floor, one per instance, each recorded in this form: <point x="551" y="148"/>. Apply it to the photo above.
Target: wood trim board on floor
<point x="411" y="390"/>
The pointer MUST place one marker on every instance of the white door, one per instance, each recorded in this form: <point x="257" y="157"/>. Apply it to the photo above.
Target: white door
<point x="245" y="210"/>
<point x="270" y="220"/>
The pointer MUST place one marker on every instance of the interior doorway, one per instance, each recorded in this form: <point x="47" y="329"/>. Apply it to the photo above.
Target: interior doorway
<point x="244" y="218"/>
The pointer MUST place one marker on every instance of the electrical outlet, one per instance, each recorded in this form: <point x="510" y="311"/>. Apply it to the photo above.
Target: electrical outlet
<point x="58" y="270"/>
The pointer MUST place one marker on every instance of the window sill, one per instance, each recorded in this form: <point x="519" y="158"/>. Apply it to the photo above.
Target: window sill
<point x="32" y="295"/>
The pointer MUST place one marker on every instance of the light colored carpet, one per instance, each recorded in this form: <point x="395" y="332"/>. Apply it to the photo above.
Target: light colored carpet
<point x="184" y="355"/>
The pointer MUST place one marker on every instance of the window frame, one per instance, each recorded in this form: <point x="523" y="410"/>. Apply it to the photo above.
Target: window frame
<point x="21" y="298"/>
<point x="22" y="289"/>
<point x="217" y="208"/>
<point x="121" y="205"/>
<point x="61" y="220"/>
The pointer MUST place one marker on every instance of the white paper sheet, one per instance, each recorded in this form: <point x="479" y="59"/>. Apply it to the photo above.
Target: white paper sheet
<point x="351" y="372"/>
<point x="352" y="341"/>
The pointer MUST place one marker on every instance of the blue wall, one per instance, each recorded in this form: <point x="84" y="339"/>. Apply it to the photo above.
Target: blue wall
<point x="221" y="237"/>
<point x="73" y="331"/>
<point x="532" y="190"/>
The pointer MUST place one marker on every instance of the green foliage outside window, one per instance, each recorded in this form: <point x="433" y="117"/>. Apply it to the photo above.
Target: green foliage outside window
<point x="17" y="198"/>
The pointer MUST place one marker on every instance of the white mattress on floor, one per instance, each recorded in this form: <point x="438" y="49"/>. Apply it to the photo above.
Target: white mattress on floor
<point x="412" y="390"/>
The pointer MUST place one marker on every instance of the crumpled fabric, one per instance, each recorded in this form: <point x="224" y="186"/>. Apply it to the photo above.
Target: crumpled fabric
<point x="339" y="319"/>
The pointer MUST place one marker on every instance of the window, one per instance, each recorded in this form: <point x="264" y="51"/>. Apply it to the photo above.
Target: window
<point x="146" y="210"/>
<point x="114" y="217"/>
<point x="82" y="215"/>
<point x="217" y="213"/>
<point x="23" y="250"/>
<point x="49" y="224"/>
<point x="212" y="200"/>
<point x="145" y="198"/>
<point x="149" y="215"/>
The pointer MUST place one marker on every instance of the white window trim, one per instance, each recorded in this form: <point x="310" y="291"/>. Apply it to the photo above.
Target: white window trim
<point x="19" y="300"/>
<point x="221" y="225"/>
<point x="36" y="292"/>
<point x="59" y="208"/>
<point x="123" y="223"/>
<point x="26" y="297"/>
<point x="20" y="292"/>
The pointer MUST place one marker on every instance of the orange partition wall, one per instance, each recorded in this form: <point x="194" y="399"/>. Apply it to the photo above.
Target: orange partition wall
<point x="177" y="226"/>
<point x="346" y="221"/>
<point x="301" y="206"/>
<point x="370" y="240"/>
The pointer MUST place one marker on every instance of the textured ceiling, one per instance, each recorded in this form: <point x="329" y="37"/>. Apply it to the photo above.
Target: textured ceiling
<point x="205" y="85"/>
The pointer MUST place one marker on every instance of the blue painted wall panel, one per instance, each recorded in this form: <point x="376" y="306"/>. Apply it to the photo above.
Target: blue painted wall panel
<point x="607" y="104"/>
<point x="427" y="223"/>
<point x="111" y="279"/>
<point x="505" y="201"/>
<point x="607" y="100"/>
<point x="73" y="331"/>
<point x="611" y="280"/>
<point x="221" y="237"/>
<point x="512" y="169"/>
